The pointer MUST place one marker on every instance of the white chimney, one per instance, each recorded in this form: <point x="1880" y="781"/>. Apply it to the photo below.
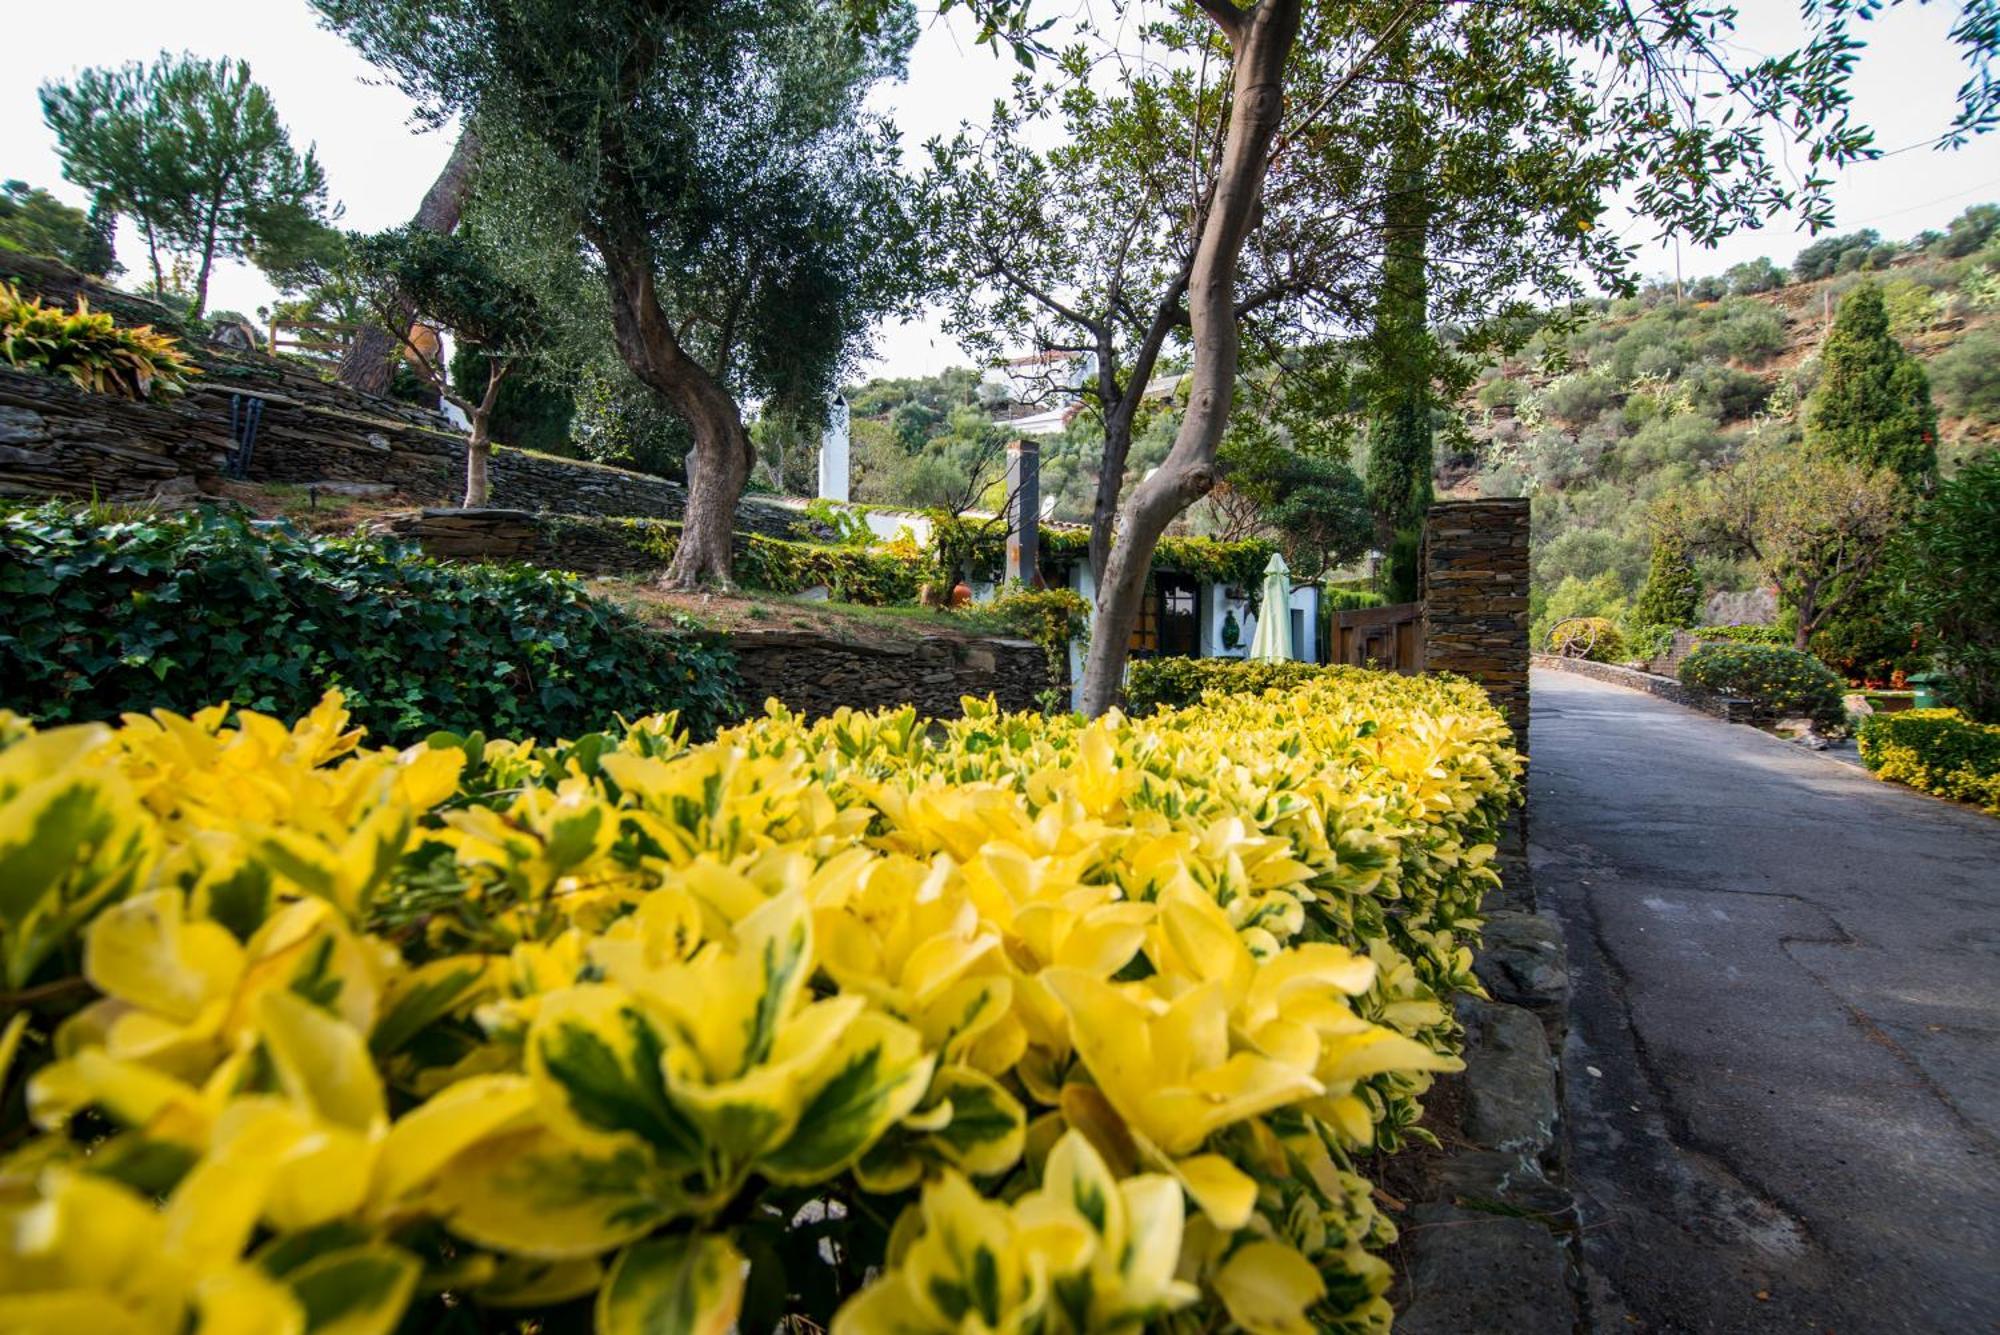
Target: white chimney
<point x="833" y="453"/>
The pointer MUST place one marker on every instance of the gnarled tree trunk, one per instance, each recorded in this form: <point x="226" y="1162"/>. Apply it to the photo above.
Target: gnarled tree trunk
<point x="1261" y="38"/>
<point x="370" y="363"/>
<point x="722" y="456"/>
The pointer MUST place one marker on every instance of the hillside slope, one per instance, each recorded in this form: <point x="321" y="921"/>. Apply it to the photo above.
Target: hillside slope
<point x="1658" y="390"/>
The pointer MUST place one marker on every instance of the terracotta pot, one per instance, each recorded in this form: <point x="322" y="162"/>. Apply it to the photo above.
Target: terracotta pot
<point x="961" y="594"/>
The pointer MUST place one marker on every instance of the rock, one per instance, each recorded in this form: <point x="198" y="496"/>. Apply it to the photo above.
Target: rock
<point x="1522" y="961"/>
<point x="1495" y="1177"/>
<point x="1510" y="1080"/>
<point x="1857" y="704"/>
<point x="19" y="425"/>
<point x="1485" y="1273"/>
<point x="1758" y="607"/>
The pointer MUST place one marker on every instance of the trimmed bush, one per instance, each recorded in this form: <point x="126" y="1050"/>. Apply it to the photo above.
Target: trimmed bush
<point x="103" y="613"/>
<point x="1600" y="634"/>
<point x="1171" y="683"/>
<point x="476" y="1037"/>
<point x="1778" y="682"/>
<point x="1937" y="750"/>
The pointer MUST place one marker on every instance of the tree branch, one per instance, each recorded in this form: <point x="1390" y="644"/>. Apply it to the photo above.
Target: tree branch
<point x="1226" y="17"/>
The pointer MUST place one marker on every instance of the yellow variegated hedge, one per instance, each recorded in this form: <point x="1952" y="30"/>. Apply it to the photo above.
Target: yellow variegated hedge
<point x="1003" y="1024"/>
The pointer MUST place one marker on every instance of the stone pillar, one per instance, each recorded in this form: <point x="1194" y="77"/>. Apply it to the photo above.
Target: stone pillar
<point x="1024" y="510"/>
<point x="1475" y="599"/>
<point x="833" y="464"/>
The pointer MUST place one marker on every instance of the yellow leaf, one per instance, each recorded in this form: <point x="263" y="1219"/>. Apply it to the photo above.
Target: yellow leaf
<point x="679" y="1285"/>
<point x="1268" y="1289"/>
<point x="320" y="1061"/>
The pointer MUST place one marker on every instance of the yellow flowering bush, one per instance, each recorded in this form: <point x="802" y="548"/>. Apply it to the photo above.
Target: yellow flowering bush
<point x="1937" y="750"/>
<point x="1008" y="1023"/>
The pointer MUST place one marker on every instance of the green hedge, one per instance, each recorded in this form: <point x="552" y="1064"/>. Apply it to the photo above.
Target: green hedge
<point x="103" y="612"/>
<point x="962" y="545"/>
<point x="1938" y="750"/>
<point x="1170" y="683"/>
<point x="1777" y="681"/>
<point x="1743" y="635"/>
<point x="871" y="576"/>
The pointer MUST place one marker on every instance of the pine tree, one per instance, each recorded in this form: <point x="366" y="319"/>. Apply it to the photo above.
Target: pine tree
<point x="1671" y="595"/>
<point x="1873" y="402"/>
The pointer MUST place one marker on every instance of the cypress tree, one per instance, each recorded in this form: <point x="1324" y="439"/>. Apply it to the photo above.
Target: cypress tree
<point x="1671" y="595"/>
<point x="1873" y="407"/>
<point x="1400" y="444"/>
<point x="1873" y="402"/>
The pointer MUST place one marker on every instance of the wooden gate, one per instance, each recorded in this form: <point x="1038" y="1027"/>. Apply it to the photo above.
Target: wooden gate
<point x="1383" y="637"/>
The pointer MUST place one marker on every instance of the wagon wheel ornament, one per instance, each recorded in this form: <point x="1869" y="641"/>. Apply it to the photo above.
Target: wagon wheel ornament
<point x="1577" y="640"/>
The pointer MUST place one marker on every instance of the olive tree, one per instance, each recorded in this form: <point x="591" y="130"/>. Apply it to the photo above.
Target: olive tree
<point x="718" y="169"/>
<point x="1814" y="524"/>
<point x="457" y="282"/>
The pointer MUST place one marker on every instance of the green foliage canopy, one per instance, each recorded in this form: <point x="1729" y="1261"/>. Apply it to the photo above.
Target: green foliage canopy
<point x="194" y="151"/>
<point x="1947" y="566"/>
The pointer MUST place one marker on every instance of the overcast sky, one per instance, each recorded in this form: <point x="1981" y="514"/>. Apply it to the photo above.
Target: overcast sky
<point x="378" y="167"/>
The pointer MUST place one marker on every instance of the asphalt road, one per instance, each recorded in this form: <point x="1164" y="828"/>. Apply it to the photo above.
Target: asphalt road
<point x="1782" y="1077"/>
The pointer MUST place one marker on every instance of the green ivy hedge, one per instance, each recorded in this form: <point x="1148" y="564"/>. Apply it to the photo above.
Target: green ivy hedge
<point x="871" y="576"/>
<point x="1170" y="683"/>
<point x="963" y="544"/>
<point x="103" y="612"/>
<point x="1938" y="750"/>
<point x="1777" y="681"/>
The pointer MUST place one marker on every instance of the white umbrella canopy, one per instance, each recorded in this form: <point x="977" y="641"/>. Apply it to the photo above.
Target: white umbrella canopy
<point x="1273" y="640"/>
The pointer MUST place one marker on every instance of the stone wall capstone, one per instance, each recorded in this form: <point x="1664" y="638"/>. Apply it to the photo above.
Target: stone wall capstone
<point x="816" y="674"/>
<point x="1475" y="592"/>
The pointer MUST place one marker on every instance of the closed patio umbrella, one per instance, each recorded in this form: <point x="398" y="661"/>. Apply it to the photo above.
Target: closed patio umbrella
<point x="1273" y="640"/>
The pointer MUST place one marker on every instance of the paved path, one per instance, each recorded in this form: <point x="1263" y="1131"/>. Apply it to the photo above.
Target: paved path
<point x="1783" y="1069"/>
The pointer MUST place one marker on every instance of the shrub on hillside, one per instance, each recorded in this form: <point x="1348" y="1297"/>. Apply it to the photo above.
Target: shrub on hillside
<point x="1746" y="331"/>
<point x="1725" y="393"/>
<point x="1938" y="750"/>
<point x="1577" y="399"/>
<point x="1966" y="376"/>
<point x="1779" y="683"/>
<point x="103" y="613"/>
<point x="92" y="350"/>
<point x="1758" y="275"/>
<point x="637" y="1035"/>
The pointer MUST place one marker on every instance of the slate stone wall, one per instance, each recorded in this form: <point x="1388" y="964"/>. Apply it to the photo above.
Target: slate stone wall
<point x="1475" y="576"/>
<point x="815" y="673"/>
<point x="57" y="441"/>
<point x="586" y="545"/>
